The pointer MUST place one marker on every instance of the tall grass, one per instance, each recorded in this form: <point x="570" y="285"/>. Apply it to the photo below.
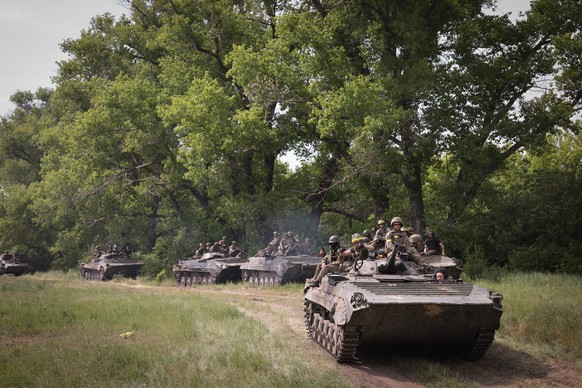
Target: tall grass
<point x="542" y="313"/>
<point x="56" y="332"/>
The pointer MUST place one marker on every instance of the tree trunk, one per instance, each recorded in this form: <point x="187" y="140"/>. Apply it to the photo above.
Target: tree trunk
<point x="317" y="199"/>
<point x="413" y="184"/>
<point x="152" y="235"/>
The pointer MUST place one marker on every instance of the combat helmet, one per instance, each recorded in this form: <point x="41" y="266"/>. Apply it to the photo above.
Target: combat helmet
<point x="356" y="238"/>
<point x="396" y="219"/>
<point x="334" y="240"/>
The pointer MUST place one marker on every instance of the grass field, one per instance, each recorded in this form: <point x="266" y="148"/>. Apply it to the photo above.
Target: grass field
<point x="56" y="330"/>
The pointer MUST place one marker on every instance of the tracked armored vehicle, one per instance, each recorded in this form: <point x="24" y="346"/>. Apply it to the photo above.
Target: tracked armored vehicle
<point x="392" y="302"/>
<point x="13" y="263"/>
<point x="107" y="265"/>
<point x="267" y="270"/>
<point x="211" y="268"/>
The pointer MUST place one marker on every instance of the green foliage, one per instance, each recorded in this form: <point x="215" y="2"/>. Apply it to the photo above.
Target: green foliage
<point x="165" y="129"/>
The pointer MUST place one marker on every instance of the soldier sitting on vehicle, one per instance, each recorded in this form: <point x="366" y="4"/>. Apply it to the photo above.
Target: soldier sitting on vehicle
<point x="359" y="250"/>
<point x="380" y="235"/>
<point x="415" y="239"/>
<point x="432" y="245"/>
<point x="97" y="251"/>
<point x="288" y="245"/>
<point x="273" y="244"/>
<point x="233" y="250"/>
<point x="307" y="247"/>
<point x="400" y="237"/>
<point x="201" y="250"/>
<point x="336" y="260"/>
<point x="127" y="250"/>
<point x="217" y="247"/>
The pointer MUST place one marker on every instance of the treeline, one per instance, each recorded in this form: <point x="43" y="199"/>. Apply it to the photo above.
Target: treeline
<point x="166" y="128"/>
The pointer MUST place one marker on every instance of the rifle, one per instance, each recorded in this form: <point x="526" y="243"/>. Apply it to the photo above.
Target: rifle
<point x="392" y="259"/>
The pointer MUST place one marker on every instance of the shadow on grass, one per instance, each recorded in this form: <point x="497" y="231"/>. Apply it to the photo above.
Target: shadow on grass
<point x="501" y="365"/>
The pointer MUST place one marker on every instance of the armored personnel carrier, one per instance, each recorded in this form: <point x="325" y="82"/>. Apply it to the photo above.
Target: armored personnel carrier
<point x="14" y="263"/>
<point x="267" y="270"/>
<point x="107" y="265"/>
<point x="393" y="302"/>
<point x="212" y="267"/>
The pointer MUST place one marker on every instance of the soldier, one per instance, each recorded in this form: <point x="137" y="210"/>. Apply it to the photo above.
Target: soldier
<point x="416" y="242"/>
<point x="233" y="250"/>
<point x="307" y="247"/>
<point x="440" y="277"/>
<point x="380" y="236"/>
<point x="432" y="244"/>
<point x="366" y="236"/>
<point x="400" y="237"/>
<point x="273" y="245"/>
<point x="97" y="251"/>
<point x="333" y="261"/>
<point x="359" y="250"/>
<point x="223" y="245"/>
<point x="215" y="247"/>
<point x="287" y="245"/>
<point x="396" y="235"/>
<point x="415" y="239"/>
<point x="127" y="250"/>
<point x="201" y="250"/>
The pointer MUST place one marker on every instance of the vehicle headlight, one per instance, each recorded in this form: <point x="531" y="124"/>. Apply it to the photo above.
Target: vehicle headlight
<point x="358" y="300"/>
<point x="496" y="298"/>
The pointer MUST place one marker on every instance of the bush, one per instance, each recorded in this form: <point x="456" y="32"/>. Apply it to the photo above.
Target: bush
<point x="153" y="266"/>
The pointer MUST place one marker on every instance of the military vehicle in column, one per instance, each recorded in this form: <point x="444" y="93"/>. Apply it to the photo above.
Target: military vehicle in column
<point x="287" y="265"/>
<point x="15" y="264"/>
<point x="210" y="268"/>
<point x="268" y="270"/>
<point x="394" y="301"/>
<point x="104" y="266"/>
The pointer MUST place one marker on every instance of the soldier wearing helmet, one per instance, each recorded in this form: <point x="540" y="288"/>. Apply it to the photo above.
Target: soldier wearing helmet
<point x="398" y="236"/>
<point x="273" y="245"/>
<point x="201" y="250"/>
<point x="416" y="241"/>
<point x="233" y="250"/>
<point x="380" y="236"/>
<point x="414" y="238"/>
<point x="333" y="261"/>
<point x="287" y="245"/>
<point x="359" y="249"/>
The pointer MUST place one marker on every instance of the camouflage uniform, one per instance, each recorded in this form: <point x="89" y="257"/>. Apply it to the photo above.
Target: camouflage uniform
<point x="273" y="245"/>
<point x="380" y="236"/>
<point x="287" y="245"/>
<point x="307" y="247"/>
<point x="416" y="241"/>
<point x="233" y="250"/>
<point x="333" y="261"/>
<point x="400" y="237"/>
<point x="201" y="250"/>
